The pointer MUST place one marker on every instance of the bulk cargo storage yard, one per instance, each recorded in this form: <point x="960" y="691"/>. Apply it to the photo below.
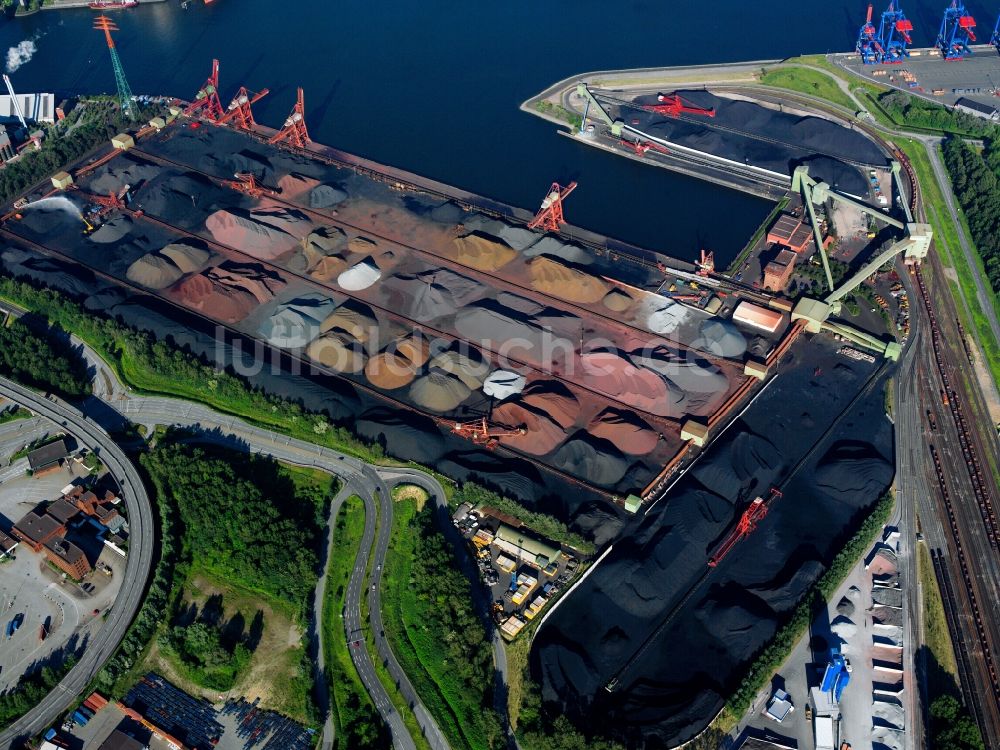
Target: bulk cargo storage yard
<point x="436" y="310"/>
<point x="581" y="375"/>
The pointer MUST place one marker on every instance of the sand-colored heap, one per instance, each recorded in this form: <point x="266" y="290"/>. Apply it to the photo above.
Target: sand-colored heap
<point x="338" y="351"/>
<point x="563" y="282"/>
<point x="153" y="271"/>
<point x="263" y="232"/>
<point x="355" y="320"/>
<point x="362" y="246"/>
<point x="470" y="371"/>
<point x="316" y="246"/>
<point x="228" y="292"/>
<point x="625" y="430"/>
<point x="413" y="347"/>
<point x="543" y="435"/>
<point x="617" y="300"/>
<point x="439" y="391"/>
<point x="617" y="377"/>
<point x="482" y="252"/>
<point x="188" y="258"/>
<point x="390" y="370"/>
<point x="112" y="230"/>
<point x="294" y="184"/>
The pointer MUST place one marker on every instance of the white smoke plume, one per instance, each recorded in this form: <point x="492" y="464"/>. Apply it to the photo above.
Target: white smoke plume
<point x="20" y="54"/>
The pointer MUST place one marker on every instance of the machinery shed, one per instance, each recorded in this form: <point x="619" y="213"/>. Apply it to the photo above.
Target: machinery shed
<point x="758" y="317"/>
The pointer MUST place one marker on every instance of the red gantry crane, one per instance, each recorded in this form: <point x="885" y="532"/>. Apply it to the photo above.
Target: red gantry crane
<point x="206" y="102"/>
<point x="294" y="130"/>
<point x="752" y="516"/>
<point x="706" y="266"/>
<point x="673" y="105"/>
<point x="550" y="215"/>
<point x="484" y="433"/>
<point x="238" y="112"/>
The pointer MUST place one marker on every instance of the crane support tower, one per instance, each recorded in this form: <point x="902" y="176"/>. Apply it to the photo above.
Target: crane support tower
<point x="706" y="265"/>
<point x="995" y="39"/>
<point x="294" y="130"/>
<point x="869" y="46"/>
<point x="206" y="101"/>
<point x="957" y="31"/>
<point x="238" y="112"/>
<point x="752" y="516"/>
<point x="673" y="105"/>
<point x="105" y="24"/>
<point x="550" y="215"/>
<point x="894" y="35"/>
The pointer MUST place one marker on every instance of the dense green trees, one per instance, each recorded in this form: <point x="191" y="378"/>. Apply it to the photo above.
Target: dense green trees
<point x="32" y="356"/>
<point x="952" y="727"/>
<point x="919" y="113"/>
<point x="30" y="690"/>
<point x="207" y="660"/>
<point x="976" y="181"/>
<point x="240" y="520"/>
<point x="540" y="728"/>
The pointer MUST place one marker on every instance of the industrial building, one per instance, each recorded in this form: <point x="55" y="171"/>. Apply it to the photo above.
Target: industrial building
<point x="34" y="107"/>
<point x="522" y="546"/>
<point x="779" y="271"/>
<point x="45" y="529"/>
<point x="791" y="232"/>
<point x="48" y="457"/>
<point x="972" y="107"/>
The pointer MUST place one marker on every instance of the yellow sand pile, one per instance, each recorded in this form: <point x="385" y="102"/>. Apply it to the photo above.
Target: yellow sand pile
<point x="482" y="252"/>
<point x="554" y="278"/>
<point x="338" y="351"/>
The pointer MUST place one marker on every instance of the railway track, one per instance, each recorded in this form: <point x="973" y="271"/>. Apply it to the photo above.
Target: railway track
<point x="988" y="663"/>
<point x="977" y="476"/>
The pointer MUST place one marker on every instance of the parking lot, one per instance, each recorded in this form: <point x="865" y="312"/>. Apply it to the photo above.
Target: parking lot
<point x="39" y="596"/>
<point x="978" y="75"/>
<point x="520" y="582"/>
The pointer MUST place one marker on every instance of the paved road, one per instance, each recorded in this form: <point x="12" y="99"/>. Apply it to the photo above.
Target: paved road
<point x="140" y="559"/>
<point x="361" y="478"/>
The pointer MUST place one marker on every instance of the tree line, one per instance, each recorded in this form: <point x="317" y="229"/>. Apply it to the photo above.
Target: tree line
<point x="975" y="179"/>
<point x="33" y="356"/>
<point x="919" y="113"/>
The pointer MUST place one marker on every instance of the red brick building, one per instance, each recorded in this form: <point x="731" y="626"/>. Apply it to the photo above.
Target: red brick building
<point x="69" y="558"/>
<point x="35" y="529"/>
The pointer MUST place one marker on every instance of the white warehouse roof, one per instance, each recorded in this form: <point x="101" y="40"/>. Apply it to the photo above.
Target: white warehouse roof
<point x="34" y="107"/>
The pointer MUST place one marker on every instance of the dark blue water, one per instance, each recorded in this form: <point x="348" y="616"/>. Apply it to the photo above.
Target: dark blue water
<point x="434" y="86"/>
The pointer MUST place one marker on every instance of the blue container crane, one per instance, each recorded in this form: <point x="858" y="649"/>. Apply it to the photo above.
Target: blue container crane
<point x="894" y="35"/>
<point x="995" y="39"/>
<point x="957" y="30"/>
<point x="869" y="46"/>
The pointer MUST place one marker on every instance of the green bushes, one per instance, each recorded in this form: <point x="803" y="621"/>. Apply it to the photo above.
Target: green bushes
<point x="199" y="649"/>
<point x="952" y="727"/>
<point x="541" y="729"/>
<point x="544" y="524"/>
<point x="918" y="113"/>
<point x="31" y="356"/>
<point x="30" y="690"/>
<point x="241" y="522"/>
<point x="977" y="188"/>
<point x="434" y="631"/>
<point x="775" y="653"/>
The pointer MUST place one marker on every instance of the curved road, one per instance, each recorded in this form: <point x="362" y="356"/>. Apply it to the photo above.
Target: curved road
<point x="137" y="568"/>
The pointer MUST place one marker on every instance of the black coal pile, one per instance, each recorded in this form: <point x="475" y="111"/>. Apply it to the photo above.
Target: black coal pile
<point x="674" y="635"/>
<point x="748" y="133"/>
